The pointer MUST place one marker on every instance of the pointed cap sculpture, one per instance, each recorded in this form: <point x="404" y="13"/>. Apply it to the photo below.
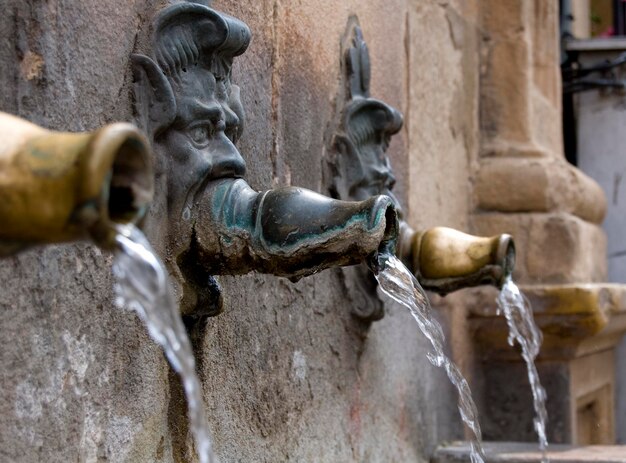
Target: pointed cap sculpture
<point x="442" y="259"/>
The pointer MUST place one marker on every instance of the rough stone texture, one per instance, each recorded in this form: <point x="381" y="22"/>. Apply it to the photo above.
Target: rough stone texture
<point x="538" y="185"/>
<point x="580" y="401"/>
<point x="81" y="381"/>
<point x="522" y="176"/>
<point x="506" y="72"/>
<point x="581" y="325"/>
<point x="620" y="394"/>
<point x="593" y="404"/>
<point x="442" y="125"/>
<point x="441" y="121"/>
<point x="576" y="320"/>
<point x="549" y="207"/>
<point x="520" y="126"/>
<point x="546" y="72"/>
<point x="520" y="81"/>
<point x="551" y="248"/>
<point x="288" y="374"/>
<point x="503" y="397"/>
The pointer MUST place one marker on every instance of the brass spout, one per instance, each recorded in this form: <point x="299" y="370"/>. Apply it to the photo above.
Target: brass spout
<point x="289" y="232"/>
<point x="444" y="259"/>
<point x="57" y="187"/>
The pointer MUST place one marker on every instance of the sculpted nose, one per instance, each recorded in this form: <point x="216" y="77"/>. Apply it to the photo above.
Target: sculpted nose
<point x="226" y="159"/>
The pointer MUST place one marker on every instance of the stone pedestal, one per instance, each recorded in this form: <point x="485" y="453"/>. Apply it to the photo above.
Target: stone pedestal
<point x="581" y="324"/>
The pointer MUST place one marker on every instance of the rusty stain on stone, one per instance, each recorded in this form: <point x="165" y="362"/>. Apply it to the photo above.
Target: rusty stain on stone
<point x="31" y="66"/>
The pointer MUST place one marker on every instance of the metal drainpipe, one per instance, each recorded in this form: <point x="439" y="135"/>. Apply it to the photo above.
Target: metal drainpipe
<point x="565" y="24"/>
<point x="569" y="119"/>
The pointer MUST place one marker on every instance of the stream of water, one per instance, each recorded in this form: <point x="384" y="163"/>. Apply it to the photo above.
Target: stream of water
<point x="399" y="284"/>
<point x="142" y="284"/>
<point x="524" y="331"/>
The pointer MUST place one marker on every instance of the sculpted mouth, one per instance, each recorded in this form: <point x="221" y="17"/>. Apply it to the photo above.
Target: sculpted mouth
<point x="229" y="168"/>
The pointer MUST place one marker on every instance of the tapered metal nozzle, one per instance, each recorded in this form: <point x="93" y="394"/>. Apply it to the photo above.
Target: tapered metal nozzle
<point x="57" y="187"/>
<point x="445" y="259"/>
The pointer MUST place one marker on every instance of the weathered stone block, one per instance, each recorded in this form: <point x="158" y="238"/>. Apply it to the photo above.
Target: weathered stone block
<point x="563" y="249"/>
<point x="512" y="185"/>
<point x="505" y="91"/>
<point x="538" y="185"/>
<point x="580" y="399"/>
<point x="504" y="400"/>
<point x="593" y="400"/>
<point x="581" y="325"/>
<point x="520" y="76"/>
<point x="551" y="248"/>
<point x="546" y="52"/>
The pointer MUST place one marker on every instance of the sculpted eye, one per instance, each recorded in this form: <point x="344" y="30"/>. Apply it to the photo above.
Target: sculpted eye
<point x="199" y="134"/>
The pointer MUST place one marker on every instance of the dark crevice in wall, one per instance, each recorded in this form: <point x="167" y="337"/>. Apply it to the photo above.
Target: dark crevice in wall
<point x="275" y="93"/>
<point x="178" y="423"/>
<point x="407" y="84"/>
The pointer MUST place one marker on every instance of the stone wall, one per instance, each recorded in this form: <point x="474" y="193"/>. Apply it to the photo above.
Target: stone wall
<point x="288" y="373"/>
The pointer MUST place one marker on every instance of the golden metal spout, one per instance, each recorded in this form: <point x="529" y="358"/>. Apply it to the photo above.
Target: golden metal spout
<point x="444" y="259"/>
<point x="57" y="187"/>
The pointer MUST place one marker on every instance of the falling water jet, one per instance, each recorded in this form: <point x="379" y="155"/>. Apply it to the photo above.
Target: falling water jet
<point x="523" y="330"/>
<point x="399" y="284"/>
<point x="142" y="285"/>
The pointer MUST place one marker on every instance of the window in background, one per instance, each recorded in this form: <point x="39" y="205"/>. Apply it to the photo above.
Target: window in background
<point x="608" y="18"/>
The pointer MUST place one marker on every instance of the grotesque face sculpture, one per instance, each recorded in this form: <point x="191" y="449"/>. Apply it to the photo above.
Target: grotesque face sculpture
<point x="360" y="167"/>
<point x="217" y="224"/>
<point x="200" y="141"/>
<point x="186" y="101"/>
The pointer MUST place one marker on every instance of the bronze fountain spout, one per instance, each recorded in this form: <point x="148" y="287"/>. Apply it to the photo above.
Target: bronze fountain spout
<point x="57" y="187"/>
<point x="445" y="260"/>
<point x="290" y="231"/>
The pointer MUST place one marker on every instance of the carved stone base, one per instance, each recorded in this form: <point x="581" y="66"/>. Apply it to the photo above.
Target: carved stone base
<point x="581" y="324"/>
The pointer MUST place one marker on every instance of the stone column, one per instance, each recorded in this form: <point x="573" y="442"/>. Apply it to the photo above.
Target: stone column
<point x="523" y="185"/>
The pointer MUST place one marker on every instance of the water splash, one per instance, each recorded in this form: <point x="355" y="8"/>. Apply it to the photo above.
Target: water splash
<point x="399" y="284"/>
<point x="142" y="285"/>
<point x="524" y="331"/>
